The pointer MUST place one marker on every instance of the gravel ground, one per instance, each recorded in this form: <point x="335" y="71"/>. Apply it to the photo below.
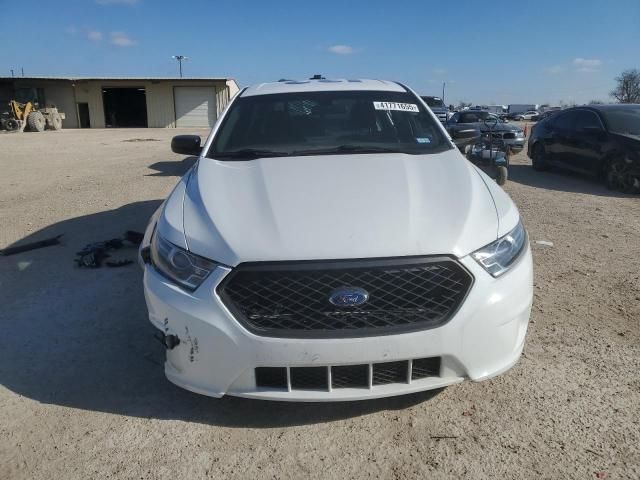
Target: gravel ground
<point x="83" y="394"/>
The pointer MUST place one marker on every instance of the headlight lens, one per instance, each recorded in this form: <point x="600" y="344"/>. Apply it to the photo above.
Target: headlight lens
<point x="498" y="256"/>
<point x="184" y="268"/>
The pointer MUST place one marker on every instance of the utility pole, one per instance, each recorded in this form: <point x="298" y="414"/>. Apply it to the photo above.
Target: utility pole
<point x="443" y="85"/>
<point x="180" y="58"/>
<point x="22" y="68"/>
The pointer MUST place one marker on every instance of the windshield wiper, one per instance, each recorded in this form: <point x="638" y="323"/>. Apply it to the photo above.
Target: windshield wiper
<point x="249" y="153"/>
<point x="348" y="149"/>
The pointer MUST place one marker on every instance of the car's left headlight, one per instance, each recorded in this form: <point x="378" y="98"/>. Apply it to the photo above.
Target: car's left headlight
<point x="497" y="257"/>
<point x="179" y="265"/>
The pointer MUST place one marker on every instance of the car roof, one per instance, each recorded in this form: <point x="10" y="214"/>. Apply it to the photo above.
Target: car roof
<point x="603" y="108"/>
<point x="322" y="85"/>
<point x="612" y="106"/>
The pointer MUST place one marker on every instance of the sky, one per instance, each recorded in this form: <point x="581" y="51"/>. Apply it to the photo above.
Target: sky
<point x="487" y="52"/>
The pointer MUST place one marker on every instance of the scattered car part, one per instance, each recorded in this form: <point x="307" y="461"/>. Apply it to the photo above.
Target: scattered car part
<point x="94" y="254"/>
<point x="31" y="246"/>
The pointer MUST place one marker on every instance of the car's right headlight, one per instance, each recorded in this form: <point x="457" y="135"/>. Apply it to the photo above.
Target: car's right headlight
<point x="497" y="257"/>
<point x="179" y="265"/>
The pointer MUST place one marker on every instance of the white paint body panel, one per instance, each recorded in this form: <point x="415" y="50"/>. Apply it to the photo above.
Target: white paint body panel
<point x="336" y="207"/>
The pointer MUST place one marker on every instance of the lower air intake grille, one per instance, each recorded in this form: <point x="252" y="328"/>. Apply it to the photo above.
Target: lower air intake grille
<point x="285" y="299"/>
<point x="390" y="372"/>
<point x="271" y="377"/>
<point x="347" y="376"/>
<point x="425" y="367"/>
<point x="309" y="378"/>
<point x="350" y="376"/>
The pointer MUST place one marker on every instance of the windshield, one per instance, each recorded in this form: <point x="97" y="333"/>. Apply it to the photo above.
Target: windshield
<point x="477" y="116"/>
<point x="624" y="120"/>
<point x="434" y="102"/>
<point x="321" y="123"/>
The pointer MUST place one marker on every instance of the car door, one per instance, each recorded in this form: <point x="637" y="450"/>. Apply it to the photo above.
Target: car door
<point x="585" y="142"/>
<point x="557" y="138"/>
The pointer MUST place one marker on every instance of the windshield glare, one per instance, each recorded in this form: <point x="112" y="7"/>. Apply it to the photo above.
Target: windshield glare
<point x="434" y="101"/>
<point x="623" y="120"/>
<point x="326" y="123"/>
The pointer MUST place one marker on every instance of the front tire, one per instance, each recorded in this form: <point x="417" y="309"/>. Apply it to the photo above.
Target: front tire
<point x="618" y="177"/>
<point x="538" y="158"/>
<point x="54" y="121"/>
<point x="36" y="122"/>
<point x="501" y="175"/>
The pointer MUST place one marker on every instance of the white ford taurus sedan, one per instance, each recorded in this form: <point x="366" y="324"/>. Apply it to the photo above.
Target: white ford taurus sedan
<point x="331" y="243"/>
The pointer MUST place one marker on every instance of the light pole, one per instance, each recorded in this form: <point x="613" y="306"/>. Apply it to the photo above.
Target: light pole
<point x="180" y="58"/>
<point x="443" y="86"/>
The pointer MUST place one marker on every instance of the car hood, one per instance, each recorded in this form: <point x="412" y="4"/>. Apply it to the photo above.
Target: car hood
<point x="336" y="207"/>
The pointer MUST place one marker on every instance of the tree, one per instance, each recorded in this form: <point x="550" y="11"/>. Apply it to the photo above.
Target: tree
<point x="596" y="102"/>
<point x="462" y="105"/>
<point x="628" y="87"/>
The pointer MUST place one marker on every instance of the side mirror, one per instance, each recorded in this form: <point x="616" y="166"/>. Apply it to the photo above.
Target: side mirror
<point x="186" y="144"/>
<point x="464" y="133"/>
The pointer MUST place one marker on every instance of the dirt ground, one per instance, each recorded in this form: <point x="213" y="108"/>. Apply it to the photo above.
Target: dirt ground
<point x="83" y="393"/>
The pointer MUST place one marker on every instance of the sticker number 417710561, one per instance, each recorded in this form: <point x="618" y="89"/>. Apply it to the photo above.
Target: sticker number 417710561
<point x="402" y="107"/>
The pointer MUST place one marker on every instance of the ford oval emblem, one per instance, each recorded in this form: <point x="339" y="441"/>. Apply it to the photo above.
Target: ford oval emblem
<point x="348" y="297"/>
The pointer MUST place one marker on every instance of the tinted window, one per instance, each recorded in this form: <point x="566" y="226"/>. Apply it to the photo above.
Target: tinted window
<point x="586" y="119"/>
<point x="473" y="117"/>
<point x="316" y="122"/>
<point x="565" y="121"/>
<point x="625" y="120"/>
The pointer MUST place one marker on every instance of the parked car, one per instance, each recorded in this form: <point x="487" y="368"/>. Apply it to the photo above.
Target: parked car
<point x="600" y="140"/>
<point x="529" y="115"/>
<point x="331" y="243"/>
<point x="437" y="106"/>
<point x="516" y="108"/>
<point x="512" y="135"/>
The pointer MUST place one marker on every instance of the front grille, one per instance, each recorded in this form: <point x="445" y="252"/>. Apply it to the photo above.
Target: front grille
<point x="286" y="299"/>
<point x="364" y="376"/>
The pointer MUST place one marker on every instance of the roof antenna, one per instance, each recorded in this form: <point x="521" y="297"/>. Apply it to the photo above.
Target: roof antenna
<point x="317" y="76"/>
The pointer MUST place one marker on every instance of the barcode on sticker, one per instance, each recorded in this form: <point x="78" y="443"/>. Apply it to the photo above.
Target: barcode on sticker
<point x="401" y="107"/>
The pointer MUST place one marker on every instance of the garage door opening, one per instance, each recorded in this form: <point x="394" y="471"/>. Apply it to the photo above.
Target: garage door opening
<point x="125" y="107"/>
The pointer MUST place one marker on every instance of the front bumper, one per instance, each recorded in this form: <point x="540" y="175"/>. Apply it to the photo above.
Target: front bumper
<point x="216" y="356"/>
<point x="516" y="144"/>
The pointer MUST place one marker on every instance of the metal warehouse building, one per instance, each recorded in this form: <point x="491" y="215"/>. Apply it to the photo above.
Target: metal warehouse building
<point x="126" y="102"/>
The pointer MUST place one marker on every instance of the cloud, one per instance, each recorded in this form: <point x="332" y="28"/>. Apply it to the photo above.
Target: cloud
<point x="94" y="35"/>
<point x="439" y="71"/>
<point x="71" y="30"/>
<point x="587" y="64"/>
<point x="342" y="49"/>
<point x="555" y="69"/>
<point x="117" y="2"/>
<point x="121" y="39"/>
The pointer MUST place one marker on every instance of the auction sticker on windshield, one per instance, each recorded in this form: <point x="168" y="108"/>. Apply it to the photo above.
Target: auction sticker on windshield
<point x="402" y="107"/>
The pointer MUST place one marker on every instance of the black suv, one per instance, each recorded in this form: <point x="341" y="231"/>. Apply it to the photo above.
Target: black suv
<point x="600" y="140"/>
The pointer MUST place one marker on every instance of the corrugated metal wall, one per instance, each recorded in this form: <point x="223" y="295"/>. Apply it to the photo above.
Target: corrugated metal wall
<point x="160" y="99"/>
